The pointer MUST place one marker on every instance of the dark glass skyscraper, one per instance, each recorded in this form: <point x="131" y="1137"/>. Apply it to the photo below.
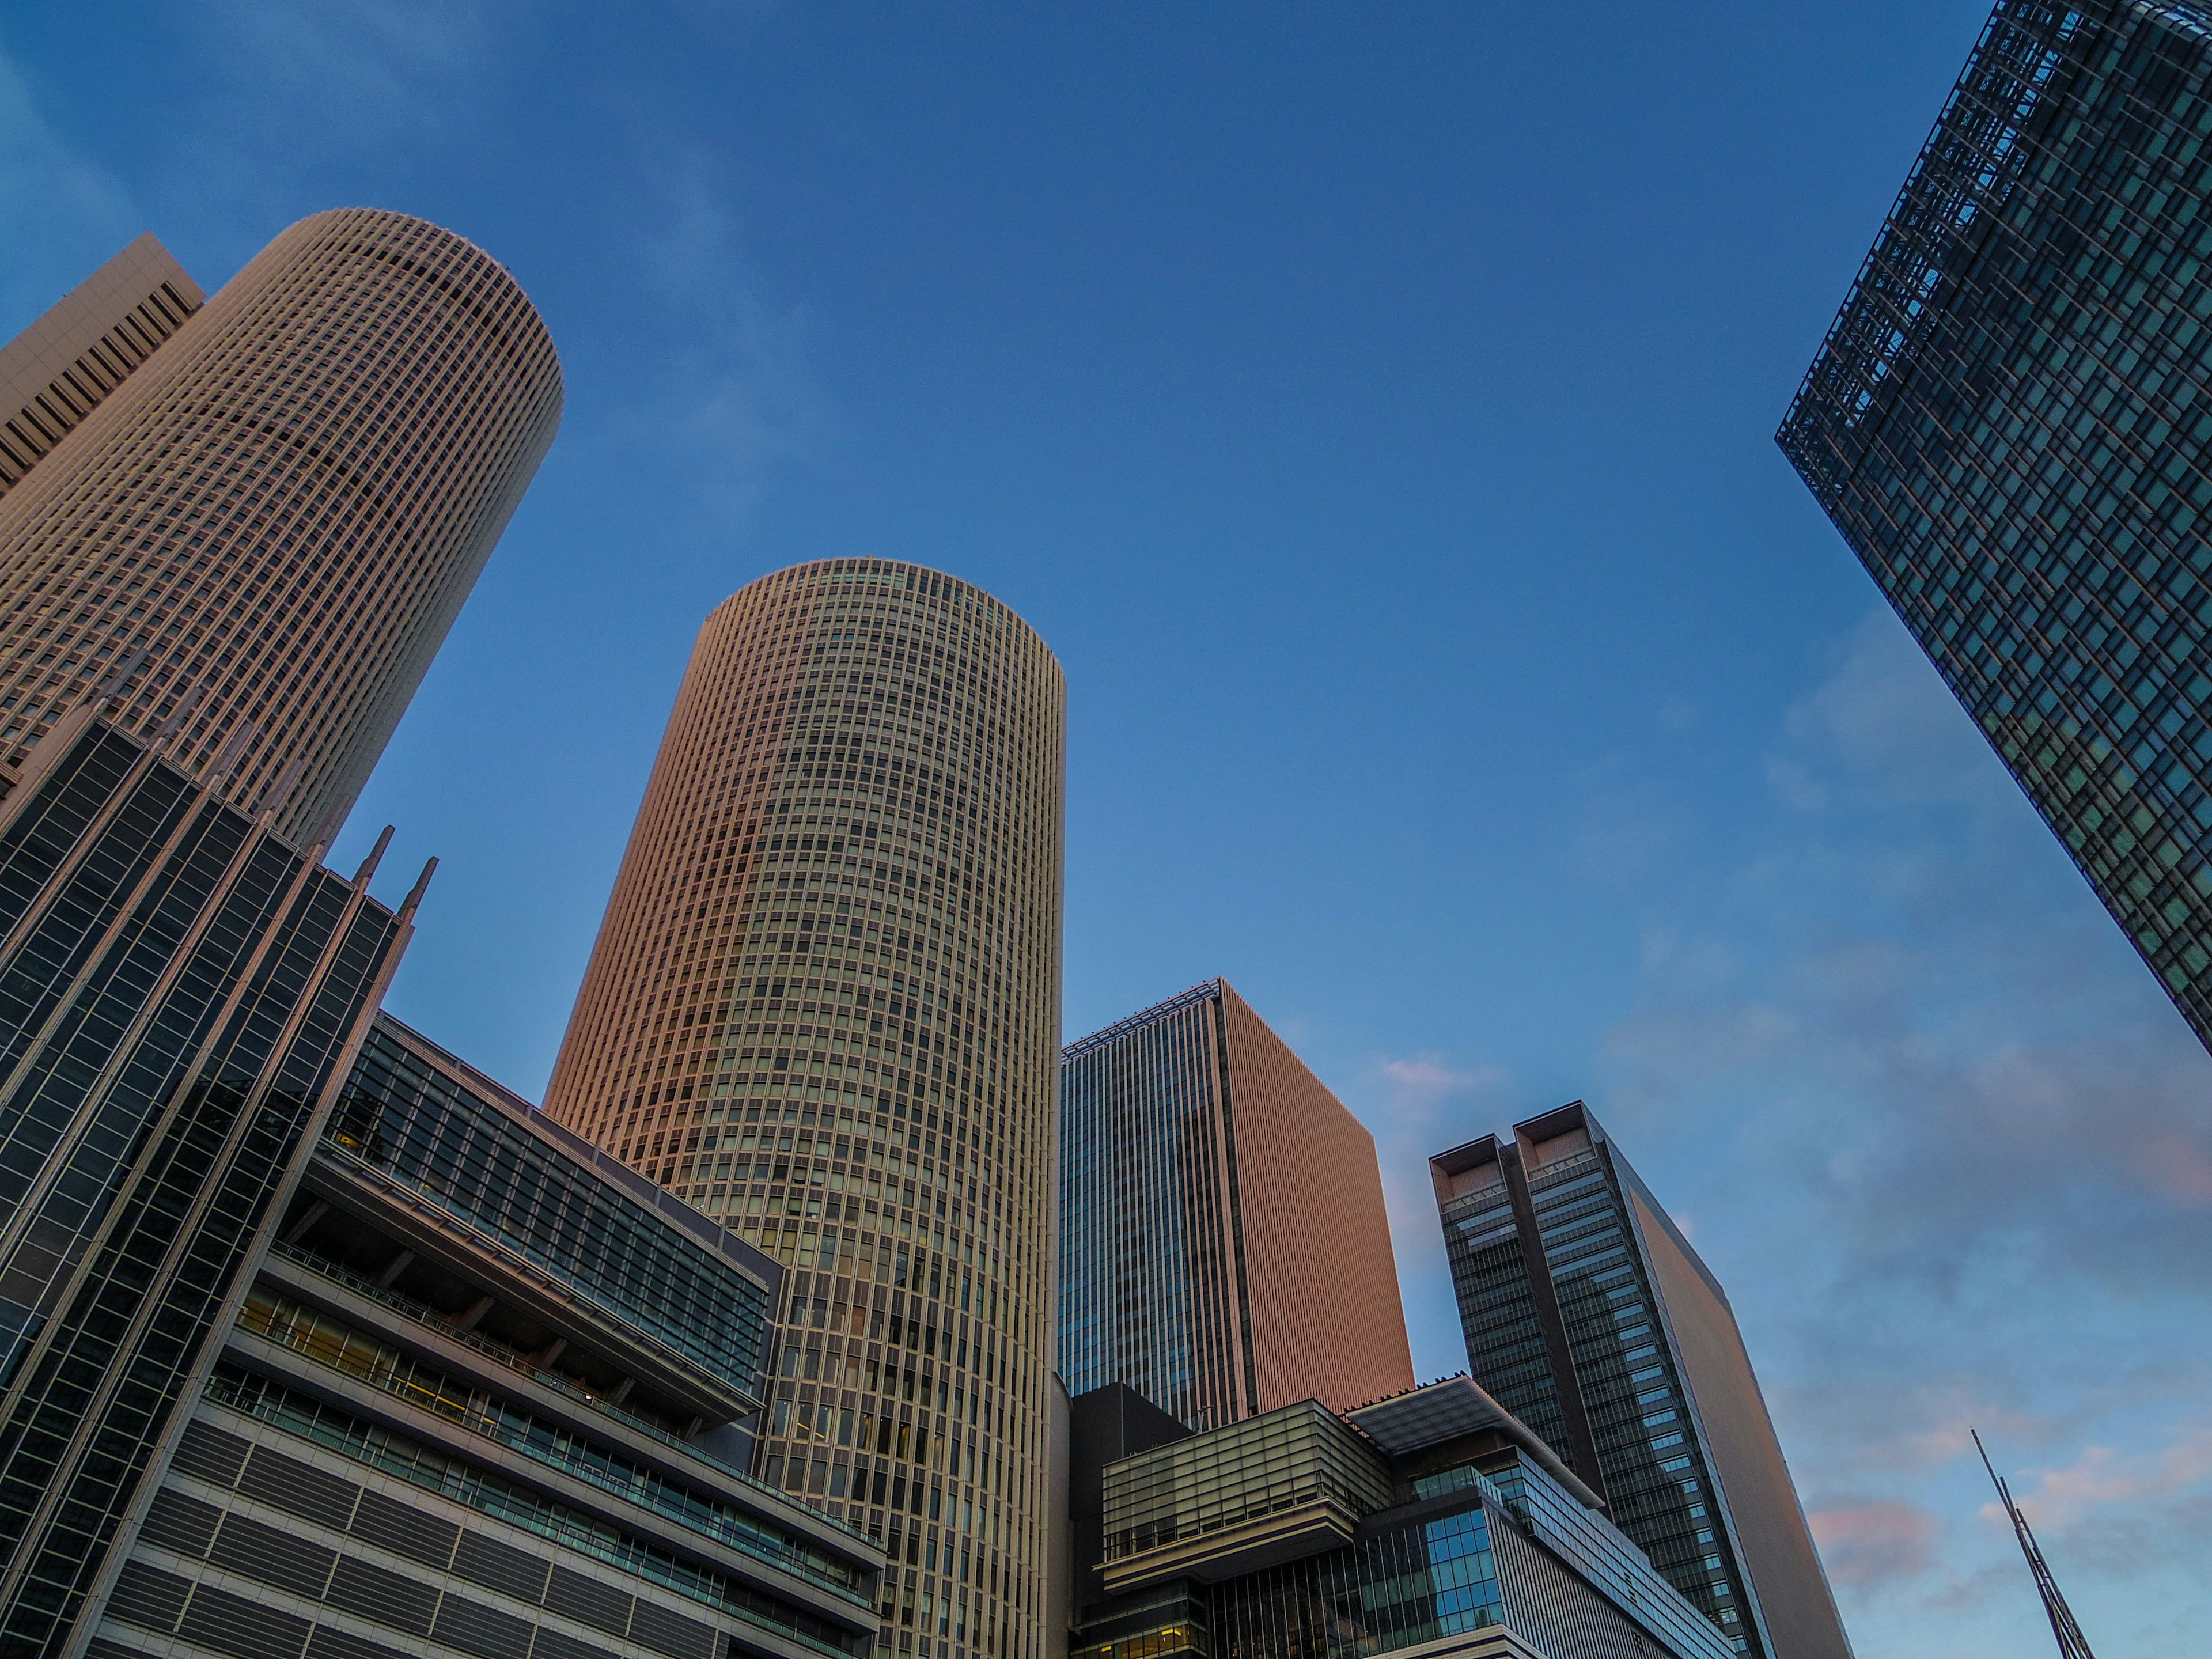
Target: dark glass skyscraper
<point x="2009" y="423"/>
<point x="179" y="991"/>
<point x="1590" y="1318"/>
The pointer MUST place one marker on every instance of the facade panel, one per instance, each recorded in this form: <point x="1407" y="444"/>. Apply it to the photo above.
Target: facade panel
<point x="2009" y="423"/>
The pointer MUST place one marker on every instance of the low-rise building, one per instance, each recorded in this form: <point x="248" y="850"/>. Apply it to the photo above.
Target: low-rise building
<point x="488" y="1394"/>
<point x="1431" y="1523"/>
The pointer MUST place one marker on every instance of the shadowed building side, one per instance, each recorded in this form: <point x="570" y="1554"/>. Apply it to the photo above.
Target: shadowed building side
<point x="278" y="514"/>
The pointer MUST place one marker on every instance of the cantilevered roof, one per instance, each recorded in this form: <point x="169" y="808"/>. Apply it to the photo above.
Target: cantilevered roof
<point x="1446" y="1411"/>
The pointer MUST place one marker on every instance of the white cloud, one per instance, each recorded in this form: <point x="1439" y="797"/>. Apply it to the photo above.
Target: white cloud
<point x="2101" y="1475"/>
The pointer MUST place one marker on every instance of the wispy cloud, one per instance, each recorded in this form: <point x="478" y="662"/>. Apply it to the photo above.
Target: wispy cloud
<point x="1950" y="1147"/>
<point x="733" y="399"/>
<point x="56" y="202"/>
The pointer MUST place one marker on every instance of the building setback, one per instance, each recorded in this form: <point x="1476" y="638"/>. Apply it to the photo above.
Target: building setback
<point x="824" y="1006"/>
<point x="1590" y="1318"/>
<point x="275" y="516"/>
<point x="1224" y="1246"/>
<point x="476" y="1400"/>
<point x="2009" y="423"/>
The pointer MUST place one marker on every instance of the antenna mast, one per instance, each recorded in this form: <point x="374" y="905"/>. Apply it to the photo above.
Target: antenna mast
<point x="2072" y="1644"/>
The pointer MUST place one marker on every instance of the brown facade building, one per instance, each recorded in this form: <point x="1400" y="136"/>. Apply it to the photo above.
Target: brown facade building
<point x="260" y="516"/>
<point x="823" y="1007"/>
<point x="1225" y="1250"/>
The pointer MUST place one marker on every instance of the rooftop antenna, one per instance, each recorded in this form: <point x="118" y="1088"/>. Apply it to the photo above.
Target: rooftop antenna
<point x="2072" y="1644"/>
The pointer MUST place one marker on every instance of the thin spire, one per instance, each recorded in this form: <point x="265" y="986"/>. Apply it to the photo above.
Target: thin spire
<point x="2072" y="1644"/>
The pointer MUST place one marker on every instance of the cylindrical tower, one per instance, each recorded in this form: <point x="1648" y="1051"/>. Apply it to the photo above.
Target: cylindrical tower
<point x="279" y="513"/>
<point x="824" y="1007"/>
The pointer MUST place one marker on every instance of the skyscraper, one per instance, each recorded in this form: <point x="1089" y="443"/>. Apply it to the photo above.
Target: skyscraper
<point x="55" y="371"/>
<point x="824" y="1006"/>
<point x="278" y="514"/>
<point x="2009" y="424"/>
<point x="1590" y="1318"/>
<point x="1224" y="1246"/>
<point x="221" y="576"/>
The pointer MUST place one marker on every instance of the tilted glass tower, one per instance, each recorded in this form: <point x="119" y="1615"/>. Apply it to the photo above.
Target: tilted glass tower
<point x="1224" y="1246"/>
<point x="232" y="536"/>
<point x="824" y="1006"/>
<point x="2011" y="423"/>
<point x="275" y="513"/>
<point x="1590" y="1317"/>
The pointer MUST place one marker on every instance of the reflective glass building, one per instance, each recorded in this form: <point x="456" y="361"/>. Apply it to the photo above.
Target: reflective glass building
<point x="180" y="990"/>
<point x="2009" y="423"/>
<point x="1224" y="1248"/>
<point x="1590" y="1318"/>
<point x="1433" y="1521"/>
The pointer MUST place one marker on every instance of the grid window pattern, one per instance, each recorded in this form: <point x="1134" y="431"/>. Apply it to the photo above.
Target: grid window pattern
<point x="823" y="1008"/>
<point x="330" y="1342"/>
<point x="411" y="1118"/>
<point x="53" y="373"/>
<point x="1407" y="1586"/>
<point x="277" y="517"/>
<point x="399" y="1542"/>
<point x="2009" y="424"/>
<point x="1651" y="1459"/>
<point x="1262" y="1466"/>
<point x="1152" y="1281"/>
<point x="195" y="984"/>
<point x="1658" y="1483"/>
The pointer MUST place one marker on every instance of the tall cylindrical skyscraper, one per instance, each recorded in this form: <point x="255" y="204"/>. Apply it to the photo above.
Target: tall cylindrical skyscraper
<point x="824" y="1006"/>
<point x="279" y="513"/>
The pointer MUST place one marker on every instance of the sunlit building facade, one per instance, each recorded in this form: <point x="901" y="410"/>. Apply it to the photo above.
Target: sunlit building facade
<point x="823" y="1007"/>
<point x="1223" y="1245"/>
<point x="270" y="517"/>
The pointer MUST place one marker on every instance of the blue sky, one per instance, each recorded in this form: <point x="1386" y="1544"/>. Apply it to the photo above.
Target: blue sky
<point x="1372" y="405"/>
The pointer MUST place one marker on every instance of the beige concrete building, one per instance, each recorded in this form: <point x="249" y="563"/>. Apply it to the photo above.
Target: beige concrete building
<point x="823" y="1007"/>
<point x="262" y="522"/>
<point x="54" y="371"/>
